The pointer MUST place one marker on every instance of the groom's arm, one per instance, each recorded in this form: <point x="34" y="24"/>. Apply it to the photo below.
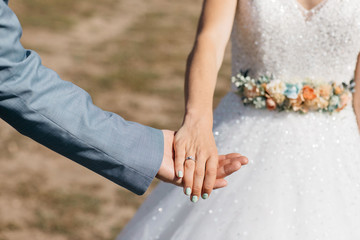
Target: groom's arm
<point x="61" y="116"/>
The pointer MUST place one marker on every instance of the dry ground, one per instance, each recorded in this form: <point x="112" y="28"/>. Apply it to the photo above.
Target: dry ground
<point x="130" y="55"/>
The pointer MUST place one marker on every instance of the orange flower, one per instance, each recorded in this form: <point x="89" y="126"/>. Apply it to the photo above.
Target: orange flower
<point x="270" y="104"/>
<point x="338" y="90"/>
<point x="308" y="93"/>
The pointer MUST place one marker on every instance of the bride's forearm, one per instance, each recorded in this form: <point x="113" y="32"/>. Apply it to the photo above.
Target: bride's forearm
<point x="356" y="105"/>
<point x="206" y="57"/>
<point x="202" y="68"/>
<point x="356" y="95"/>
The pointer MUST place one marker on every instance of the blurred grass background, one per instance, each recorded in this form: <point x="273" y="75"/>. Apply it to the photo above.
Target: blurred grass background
<point x="130" y="56"/>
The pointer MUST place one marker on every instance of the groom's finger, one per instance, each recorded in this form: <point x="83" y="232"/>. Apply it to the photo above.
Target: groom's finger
<point x="228" y="169"/>
<point x="220" y="183"/>
<point x="229" y="166"/>
<point x="230" y="156"/>
<point x="233" y="157"/>
<point x="226" y="159"/>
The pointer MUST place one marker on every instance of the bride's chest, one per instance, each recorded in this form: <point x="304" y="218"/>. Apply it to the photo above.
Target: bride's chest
<point x="282" y="13"/>
<point x="331" y="22"/>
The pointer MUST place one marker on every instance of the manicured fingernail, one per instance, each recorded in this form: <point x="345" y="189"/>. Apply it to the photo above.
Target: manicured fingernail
<point x="180" y="174"/>
<point x="205" y="196"/>
<point x="194" y="199"/>
<point x="188" y="191"/>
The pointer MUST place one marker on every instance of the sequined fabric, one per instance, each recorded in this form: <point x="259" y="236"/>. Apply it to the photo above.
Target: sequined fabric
<point x="282" y="38"/>
<point x="302" y="181"/>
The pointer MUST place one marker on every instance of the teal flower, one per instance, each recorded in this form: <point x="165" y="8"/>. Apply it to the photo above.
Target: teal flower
<point x="292" y="90"/>
<point x="334" y="103"/>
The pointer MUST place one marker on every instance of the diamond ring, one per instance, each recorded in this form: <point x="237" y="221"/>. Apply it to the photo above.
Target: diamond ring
<point x="190" y="158"/>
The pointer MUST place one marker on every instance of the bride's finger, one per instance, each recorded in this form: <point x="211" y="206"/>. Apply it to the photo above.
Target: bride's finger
<point x="198" y="177"/>
<point x="188" y="176"/>
<point x="210" y="176"/>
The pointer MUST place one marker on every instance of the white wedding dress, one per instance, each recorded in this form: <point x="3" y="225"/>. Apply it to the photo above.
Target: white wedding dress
<point x="303" y="178"/>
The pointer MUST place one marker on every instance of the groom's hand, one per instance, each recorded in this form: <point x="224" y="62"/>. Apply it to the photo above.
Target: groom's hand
<point x="228" y="164"/>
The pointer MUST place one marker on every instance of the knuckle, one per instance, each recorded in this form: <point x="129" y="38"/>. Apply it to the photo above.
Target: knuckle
<point x="201" y="153"/>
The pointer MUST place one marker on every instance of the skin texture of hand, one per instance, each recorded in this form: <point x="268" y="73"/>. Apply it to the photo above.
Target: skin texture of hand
<point x="195" y="139"/>
<point x="227" y="164"/>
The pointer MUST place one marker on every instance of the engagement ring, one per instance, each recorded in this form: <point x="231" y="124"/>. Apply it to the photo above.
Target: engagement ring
<point x="190" y="158"/>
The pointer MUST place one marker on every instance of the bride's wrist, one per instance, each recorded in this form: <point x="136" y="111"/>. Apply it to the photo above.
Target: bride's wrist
<point x="198" y="112"/>
<point x="201" y="117"/>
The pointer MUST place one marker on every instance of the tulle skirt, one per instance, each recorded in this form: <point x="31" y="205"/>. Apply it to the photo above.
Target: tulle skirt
<point x="302" y="182"/>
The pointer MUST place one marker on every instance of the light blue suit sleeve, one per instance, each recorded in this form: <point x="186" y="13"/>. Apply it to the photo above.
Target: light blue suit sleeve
<point x="61" y="116"/>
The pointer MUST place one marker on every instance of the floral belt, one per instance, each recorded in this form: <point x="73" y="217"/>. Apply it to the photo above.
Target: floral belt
<point x="273" y="94"/>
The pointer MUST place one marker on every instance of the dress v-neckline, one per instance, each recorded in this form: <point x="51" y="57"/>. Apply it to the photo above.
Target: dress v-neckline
<point x="309" y="13"/>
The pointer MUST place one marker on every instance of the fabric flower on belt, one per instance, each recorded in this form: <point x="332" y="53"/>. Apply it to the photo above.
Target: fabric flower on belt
<point x="276" y="89"/>
<point x="338" y="90"/>
<point x="344" y="99"/>
<point x="334" y="102"/>
<point x="270" y="104"/>
<point x="323" y="103"/>
<point x="308" y="93"/>
<point x="325" y="91"/>
<point x="259" y="102"/>
<point x="252" y="93"/>
<point x="292" y="90"/>
<point x="267" y="92"/>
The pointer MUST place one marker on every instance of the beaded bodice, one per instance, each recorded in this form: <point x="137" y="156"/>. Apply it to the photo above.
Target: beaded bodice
<point x="282" y="38"/>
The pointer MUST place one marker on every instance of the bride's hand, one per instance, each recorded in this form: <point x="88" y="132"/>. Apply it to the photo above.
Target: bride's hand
<point x="195" y="139"/>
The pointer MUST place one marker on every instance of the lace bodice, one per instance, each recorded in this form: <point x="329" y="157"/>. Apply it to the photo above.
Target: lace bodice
<point x="282" y="38"/>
